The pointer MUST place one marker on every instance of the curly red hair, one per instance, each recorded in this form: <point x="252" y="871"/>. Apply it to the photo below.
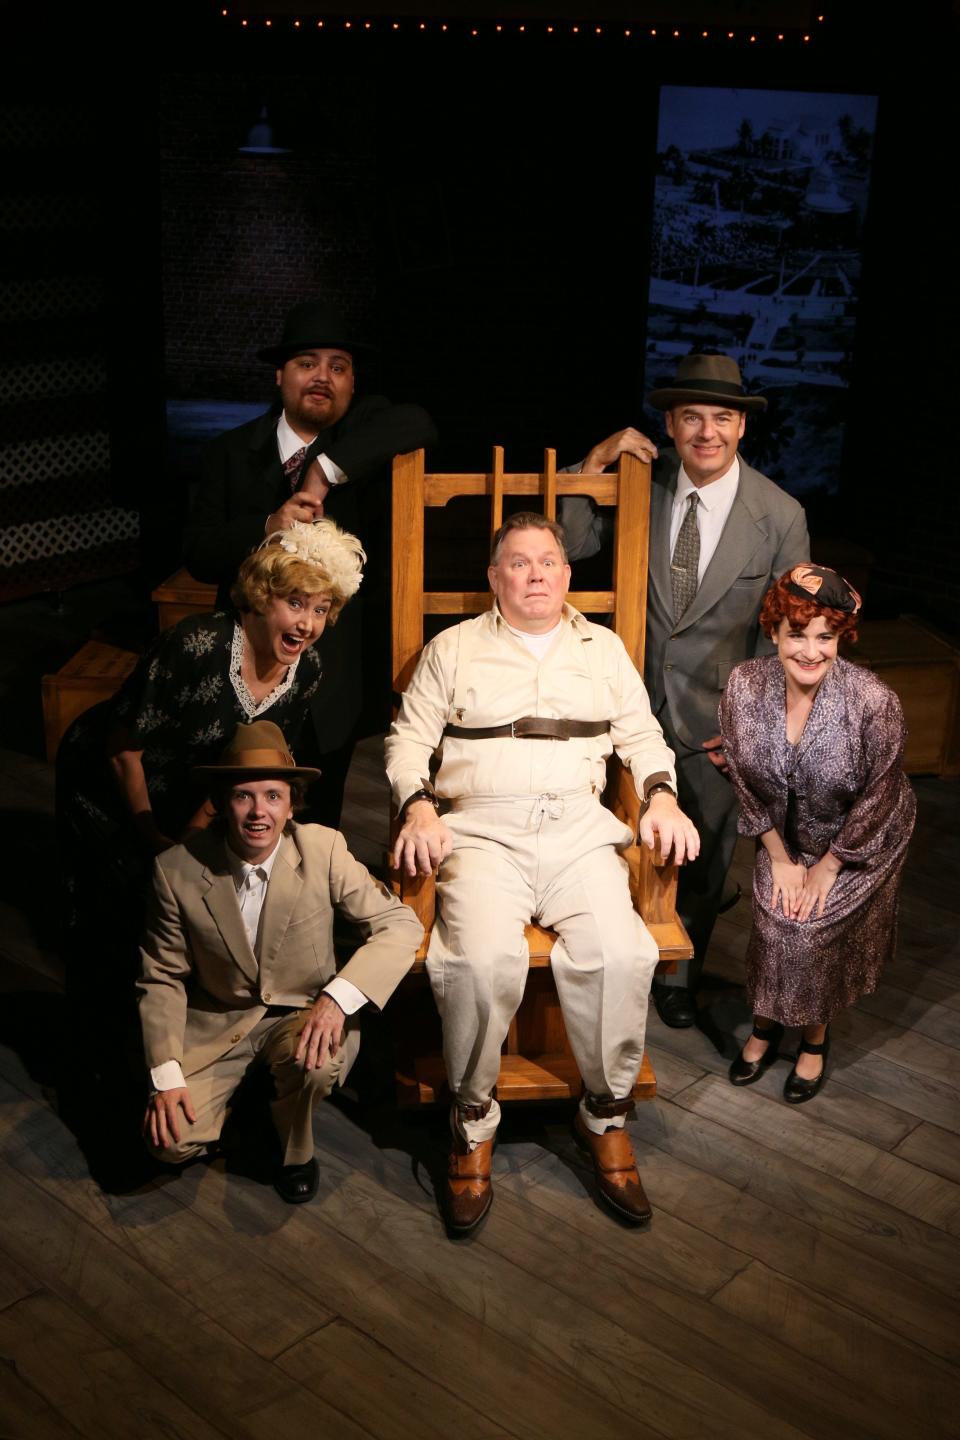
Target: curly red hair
<point x="780" y="603"/>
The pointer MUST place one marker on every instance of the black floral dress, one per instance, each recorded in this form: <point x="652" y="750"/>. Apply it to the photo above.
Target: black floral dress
<point x="181" y="704"/>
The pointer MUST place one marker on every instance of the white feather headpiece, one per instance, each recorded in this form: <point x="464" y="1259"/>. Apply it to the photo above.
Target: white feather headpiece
<point x="336" y="552"/>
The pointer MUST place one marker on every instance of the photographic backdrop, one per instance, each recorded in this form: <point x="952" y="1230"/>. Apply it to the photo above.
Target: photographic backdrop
<point x="756" y="251"/>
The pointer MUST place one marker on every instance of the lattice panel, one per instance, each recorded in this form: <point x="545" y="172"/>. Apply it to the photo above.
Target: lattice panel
<point x="83" y="375"/>
<point x="45" y="126"/>
<point x="63" y="534"/>
<point x="31" y="462"/>
<point x="48" y="212"/>
<point x="58" y="298"/>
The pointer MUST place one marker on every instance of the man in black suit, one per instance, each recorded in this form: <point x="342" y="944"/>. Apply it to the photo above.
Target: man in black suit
<point x="320" y="451"/>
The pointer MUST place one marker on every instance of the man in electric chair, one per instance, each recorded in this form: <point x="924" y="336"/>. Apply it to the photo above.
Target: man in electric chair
<point x="238" y="962"/>
<point x="529" y="700"/>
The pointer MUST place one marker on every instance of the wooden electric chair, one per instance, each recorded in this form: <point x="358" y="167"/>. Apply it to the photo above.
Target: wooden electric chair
<point x="537" y="1063"/>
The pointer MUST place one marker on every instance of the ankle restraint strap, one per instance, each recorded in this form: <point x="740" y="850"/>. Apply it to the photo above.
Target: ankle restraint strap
<point x="604" y="1107"/>
<point x="474" y="1112"/>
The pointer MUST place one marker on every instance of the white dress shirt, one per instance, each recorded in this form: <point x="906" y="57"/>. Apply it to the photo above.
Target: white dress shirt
<point x="251" y="883"/>
<point x="289" y="442"/>
<point x="716" y="502"/>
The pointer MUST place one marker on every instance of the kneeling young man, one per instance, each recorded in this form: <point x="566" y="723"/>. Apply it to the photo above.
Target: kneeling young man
<point x="529" y="700"/>
<point x="239" y="942"/>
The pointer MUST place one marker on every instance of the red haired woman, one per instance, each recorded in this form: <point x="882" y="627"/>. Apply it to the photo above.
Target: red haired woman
<point x="814" y="746"/>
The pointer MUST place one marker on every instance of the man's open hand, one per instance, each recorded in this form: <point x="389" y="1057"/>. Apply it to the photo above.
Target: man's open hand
<point x="161" y="1123"/>
<point x="608" y="452"/>
<point x="423" y="843"/>
<point x="321" y="1035"/>
<point x="663" y="820"/>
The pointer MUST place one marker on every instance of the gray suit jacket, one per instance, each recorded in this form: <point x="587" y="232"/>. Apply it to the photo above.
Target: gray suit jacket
<point x="202" y="988"/>
<point x="687" y="663"/>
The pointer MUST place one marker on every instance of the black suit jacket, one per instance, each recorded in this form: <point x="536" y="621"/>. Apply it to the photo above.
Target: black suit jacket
<point x="243" y="482"/>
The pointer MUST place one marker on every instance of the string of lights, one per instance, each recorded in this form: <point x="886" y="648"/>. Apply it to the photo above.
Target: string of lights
<point x="474" y="29"/>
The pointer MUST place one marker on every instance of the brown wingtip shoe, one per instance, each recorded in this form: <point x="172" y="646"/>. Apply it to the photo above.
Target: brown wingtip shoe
<point x="615" y="1168"/>
<point x="469" y="1191"/>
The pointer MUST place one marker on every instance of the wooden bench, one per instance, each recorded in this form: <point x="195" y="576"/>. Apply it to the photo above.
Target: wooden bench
<point x="98" y="670"/>
<point x="95" y="673"/>
<point x="180" y="595"/>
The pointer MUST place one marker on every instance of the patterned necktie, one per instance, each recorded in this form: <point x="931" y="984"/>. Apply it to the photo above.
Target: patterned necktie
<point x="686" y="560"/>
<point x="291" y="467"/>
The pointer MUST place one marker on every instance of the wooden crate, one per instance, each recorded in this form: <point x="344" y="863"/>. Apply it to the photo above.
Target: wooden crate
<point x="924" y="670"/>
<point x="95" y="673"/>
<point x="180" y="596"/>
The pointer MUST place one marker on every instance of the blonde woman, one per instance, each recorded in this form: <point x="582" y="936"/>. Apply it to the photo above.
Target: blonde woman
<point x="124" y="786"/>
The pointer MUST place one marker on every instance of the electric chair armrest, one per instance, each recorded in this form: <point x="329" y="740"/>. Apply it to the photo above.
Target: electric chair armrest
<point x="653" y="881"/>
<point x="420" y="893"/>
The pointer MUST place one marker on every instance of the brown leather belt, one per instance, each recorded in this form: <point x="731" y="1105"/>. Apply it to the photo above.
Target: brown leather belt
<point x="532" y="727"/>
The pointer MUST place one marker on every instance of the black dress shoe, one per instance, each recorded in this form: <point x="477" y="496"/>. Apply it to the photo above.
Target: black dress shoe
<point x="676" y="1006"/>
<point x="744" y="1072"/>
<point x="796" y="1090"/>
<point x="297" y="1183"/>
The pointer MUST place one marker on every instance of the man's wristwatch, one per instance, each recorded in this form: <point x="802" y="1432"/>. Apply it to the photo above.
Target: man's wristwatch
<point x="656" y="789"/>
<point x="420" y="795"/>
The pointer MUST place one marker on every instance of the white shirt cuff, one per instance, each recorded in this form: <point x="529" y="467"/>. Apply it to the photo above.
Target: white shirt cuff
<point x="168" y="1076"/>
<point x="347" y="996"/>
<point x="335" y="476"/>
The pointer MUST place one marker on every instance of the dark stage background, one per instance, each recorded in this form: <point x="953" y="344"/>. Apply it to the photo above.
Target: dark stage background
<point x="480" y="204"/>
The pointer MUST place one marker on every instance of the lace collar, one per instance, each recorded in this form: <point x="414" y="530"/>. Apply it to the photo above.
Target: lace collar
<point x="249" y="706"/>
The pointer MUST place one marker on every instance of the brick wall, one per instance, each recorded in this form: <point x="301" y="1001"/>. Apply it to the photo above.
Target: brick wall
<point x="245" y="237"/>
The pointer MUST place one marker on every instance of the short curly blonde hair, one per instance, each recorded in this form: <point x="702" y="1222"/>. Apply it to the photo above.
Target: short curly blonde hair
<point x="317" y="559"/>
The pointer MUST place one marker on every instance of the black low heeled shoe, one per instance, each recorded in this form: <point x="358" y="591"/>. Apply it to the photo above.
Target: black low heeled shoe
<point x="796" y="1090"/>
<point x="744" y="1072"/>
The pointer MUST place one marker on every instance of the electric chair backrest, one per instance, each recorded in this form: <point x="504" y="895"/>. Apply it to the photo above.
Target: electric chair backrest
<point x="536" y="1063"/>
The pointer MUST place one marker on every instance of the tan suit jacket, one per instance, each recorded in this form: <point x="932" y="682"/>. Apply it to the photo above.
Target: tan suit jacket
<point x="202" y="989"/>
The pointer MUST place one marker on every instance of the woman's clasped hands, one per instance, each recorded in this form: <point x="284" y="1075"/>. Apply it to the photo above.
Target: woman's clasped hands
<point x="801" y="892"/>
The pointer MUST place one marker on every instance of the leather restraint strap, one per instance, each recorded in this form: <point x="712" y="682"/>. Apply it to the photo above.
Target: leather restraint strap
<point x="605" y="1107"/>
<point x="474" y="1112"/>
<point x="532" y="727"/>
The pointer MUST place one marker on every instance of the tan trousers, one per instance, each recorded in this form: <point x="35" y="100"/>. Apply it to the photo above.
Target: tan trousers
<point x="551" y="858"/>
<point x="272" y="1042"/>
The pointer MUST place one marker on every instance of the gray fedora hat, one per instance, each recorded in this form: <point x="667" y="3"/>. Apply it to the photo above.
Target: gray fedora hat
<point x="314" y="325"/>
<point x="706" y="380"/>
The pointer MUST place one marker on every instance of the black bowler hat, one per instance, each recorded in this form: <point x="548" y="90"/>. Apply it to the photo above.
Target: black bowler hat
<point x="313" y="325"/>
<point x="706" y="380"/>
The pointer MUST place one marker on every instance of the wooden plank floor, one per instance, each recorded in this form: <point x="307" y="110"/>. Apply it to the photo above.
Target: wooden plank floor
<point x="799" y="1277"/>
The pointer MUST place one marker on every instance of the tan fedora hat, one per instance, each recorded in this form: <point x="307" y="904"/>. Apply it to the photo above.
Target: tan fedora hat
<point x="706" y="380"/>
<point x="257" y="751"/>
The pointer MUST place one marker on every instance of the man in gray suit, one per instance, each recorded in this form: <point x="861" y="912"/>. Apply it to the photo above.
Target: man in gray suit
<point x="720" y="533"/>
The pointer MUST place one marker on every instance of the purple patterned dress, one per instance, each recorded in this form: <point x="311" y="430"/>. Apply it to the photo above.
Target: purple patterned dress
<point x="840" y="788"/>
